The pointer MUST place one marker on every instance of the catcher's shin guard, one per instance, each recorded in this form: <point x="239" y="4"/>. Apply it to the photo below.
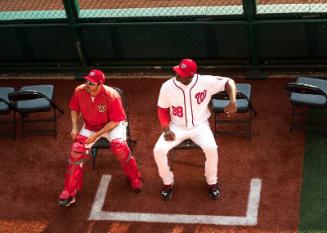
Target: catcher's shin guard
<point x="127" y="162"/>
<point x="74" y="172"/>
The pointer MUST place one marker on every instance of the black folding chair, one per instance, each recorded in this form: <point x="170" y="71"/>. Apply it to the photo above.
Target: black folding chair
<point x="185" y="145"/>
<point x="307" y="93"/>
<point x="103" y="143"/>
<point x="5" y="109"/>
<point x="244" y="106"/>
<point x="30" y="100"/>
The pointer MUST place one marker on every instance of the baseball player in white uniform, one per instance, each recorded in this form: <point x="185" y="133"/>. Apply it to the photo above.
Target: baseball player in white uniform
<point x="183" y="114"/>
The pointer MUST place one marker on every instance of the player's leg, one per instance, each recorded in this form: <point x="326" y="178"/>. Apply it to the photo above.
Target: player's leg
<point x="202" y="136"/>
<point x="120" y="149"/>
<point x="74" y="172"/>
<point x="160" y="153"/>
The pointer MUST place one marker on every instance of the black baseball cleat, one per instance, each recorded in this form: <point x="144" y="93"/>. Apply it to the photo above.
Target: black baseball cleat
<point x="67" y="202"/>
<point x="214" y="191"/>
<point x="137" y="185"/>
<point x="137" y="190"/>
<point x="167" y="192"/>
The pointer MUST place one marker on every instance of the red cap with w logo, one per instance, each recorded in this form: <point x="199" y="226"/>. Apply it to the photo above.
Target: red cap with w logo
<point x="186" y="68"/>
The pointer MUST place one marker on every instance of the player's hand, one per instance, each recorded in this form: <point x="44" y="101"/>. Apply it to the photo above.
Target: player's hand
<point x="169" y="135"/>
<point x="74" y="133"/>
<point x="231" y="108"/>
<point x="91" y="139"/>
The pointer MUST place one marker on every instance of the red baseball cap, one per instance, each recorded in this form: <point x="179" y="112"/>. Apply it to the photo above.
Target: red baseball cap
<point x="186" y="68"/>
<point x="96" y="76"/>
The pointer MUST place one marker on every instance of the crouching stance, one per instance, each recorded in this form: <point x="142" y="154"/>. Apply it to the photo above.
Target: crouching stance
<point x="101" y="108"/>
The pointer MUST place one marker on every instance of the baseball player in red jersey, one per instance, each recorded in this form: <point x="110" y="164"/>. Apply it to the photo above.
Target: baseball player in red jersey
<point x="183" y="114"/>
<point x="101" y="108"/>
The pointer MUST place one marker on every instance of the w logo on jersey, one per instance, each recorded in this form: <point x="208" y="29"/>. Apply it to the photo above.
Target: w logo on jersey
<point x="101" y="108"/>
<point x="200" y="96"/>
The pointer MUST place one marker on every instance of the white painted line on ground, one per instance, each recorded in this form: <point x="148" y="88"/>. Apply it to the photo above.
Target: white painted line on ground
<point x="250" y="219"/>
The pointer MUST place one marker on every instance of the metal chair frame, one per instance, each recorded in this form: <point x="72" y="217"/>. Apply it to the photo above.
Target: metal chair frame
<point x="22" y="95"/>
<point x="12" y="122"/>
<point x="247" y="121"/>
<point x="303" y="88"/>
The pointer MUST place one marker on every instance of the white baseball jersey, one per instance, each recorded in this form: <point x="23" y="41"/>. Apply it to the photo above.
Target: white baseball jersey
<point x="188" y="105"/>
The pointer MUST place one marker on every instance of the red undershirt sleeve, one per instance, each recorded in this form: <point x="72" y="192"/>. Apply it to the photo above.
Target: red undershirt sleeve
<point x="164" y="118"/>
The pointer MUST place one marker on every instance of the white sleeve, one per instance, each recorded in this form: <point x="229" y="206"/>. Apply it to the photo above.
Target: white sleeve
<point x="163" y="100"/>
<point x="217" y="84"/>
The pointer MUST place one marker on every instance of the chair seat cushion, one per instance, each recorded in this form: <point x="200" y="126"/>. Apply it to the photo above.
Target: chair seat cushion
<point x="4" y="91"/>
<point x="36" y="105"/>
<point x="101" y="143"/>
<point x="317" y="101"/>
<point x="242" y="104"/>
<point x="186" y="144"/>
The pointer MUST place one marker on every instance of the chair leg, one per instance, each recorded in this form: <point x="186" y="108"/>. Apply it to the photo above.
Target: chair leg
<point x="292" y="118"/>
<point x="13" y="133"/>
<point x="172" y="155"/>
<point x="94" y="153"/>
<point x="249" y="126"/>
<point x="215" y="126"/>
<point x="23" y="124"/>
<point x="131" y="144"/>
<point x="55" y="122"/>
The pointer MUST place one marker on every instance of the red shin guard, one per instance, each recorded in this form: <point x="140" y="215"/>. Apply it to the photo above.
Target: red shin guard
<point x="131" y="171"/>
<point x="74" y="172"/>
<point x="127" y="162"/>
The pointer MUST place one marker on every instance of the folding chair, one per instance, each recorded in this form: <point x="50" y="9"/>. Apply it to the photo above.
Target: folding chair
<point x="185" y="145"/>
<point x="244" y="107"/>
<point x="5" y="109"/>
<point x="103" y="143"/>
<point x="32" y="100"/>
<point x="307" y="93"/>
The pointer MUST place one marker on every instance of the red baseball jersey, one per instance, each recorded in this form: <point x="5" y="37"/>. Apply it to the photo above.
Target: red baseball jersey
<point x="99" y="110"/>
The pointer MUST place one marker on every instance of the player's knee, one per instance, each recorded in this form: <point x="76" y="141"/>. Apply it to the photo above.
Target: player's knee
<point x="159" y="150"/>
<point x="80" y="138"/>
<point x="77" y="152"/>
<point x="210" y="148"/>
<point x="120" y="149"/>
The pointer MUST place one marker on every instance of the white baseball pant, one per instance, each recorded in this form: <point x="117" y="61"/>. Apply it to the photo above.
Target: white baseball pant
<point x="202" y="136"/>
<point x="118" y="132"/>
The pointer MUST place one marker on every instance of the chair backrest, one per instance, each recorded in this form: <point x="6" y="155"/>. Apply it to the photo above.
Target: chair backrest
<point x="23" y="95"/>
<point x="223" y="95"/>
<point x="5" y="105"/>
<point x="26" y="95"/>
<point x="123" y="100"/>
<point x="125" y="105"/>
<point x="304" y="88"/>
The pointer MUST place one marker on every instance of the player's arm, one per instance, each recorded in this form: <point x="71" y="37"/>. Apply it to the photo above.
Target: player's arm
<point x="231" y="90"/>
<point x="75" y="113"/>
<point x="164" y="118"/>
<point x="74" y="116"/>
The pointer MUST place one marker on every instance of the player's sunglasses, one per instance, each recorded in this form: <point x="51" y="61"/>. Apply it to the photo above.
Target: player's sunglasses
<point x="90" y="83"/>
